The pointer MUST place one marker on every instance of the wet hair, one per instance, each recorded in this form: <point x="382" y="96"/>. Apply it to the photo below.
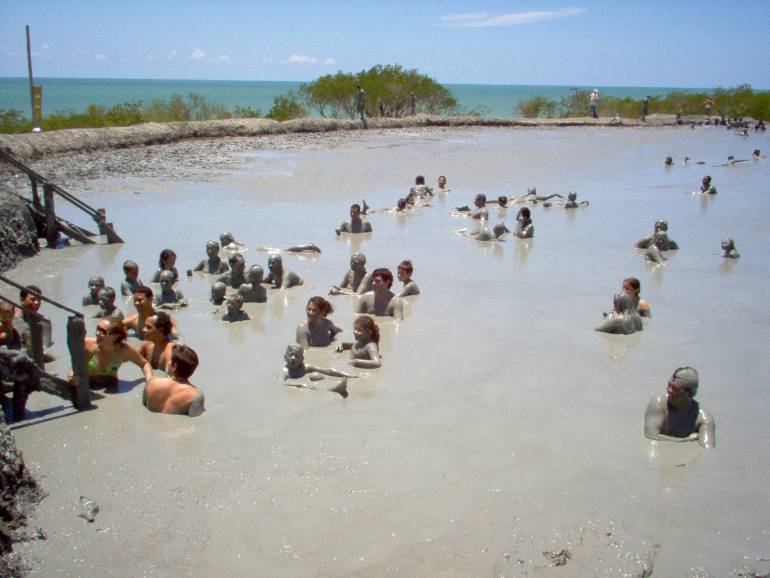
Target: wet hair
<point x="33" y="289"/>
<point x="686" y="376"/>
<point x="525" y="212"/>
<point x="502" y="200"/>
<point x="419" y="180"/>
<point x="108" y="291"/>
<point x="185" y="360"/>
<point x="117" y="329"/>
<point x="385" y="275"/>
<point x="406" y="265"/>
<point x="226" y="239"/>
<point x="707" y="177"/>
<point x="165" y="255"/>
<point x="481" y="196"/>
<point x="401" y="204"/>
<point x="358" y="256"/>
<point x="634" y="282"/>
<point x="294" y="348"/>
<point x="235" y="297"/>
<point x="256" y="270"/>
<point x="236" y="257"/>
<point x="164" y="323"/>
<point x="442" y="177"/>
<point x="368" y="325"/>
<point x="129" y="266"/>
<point x="355" y="206"/>
<point x="324" y="307"/>
<point x="146" y="291"/>
<point x="96" y="281"/>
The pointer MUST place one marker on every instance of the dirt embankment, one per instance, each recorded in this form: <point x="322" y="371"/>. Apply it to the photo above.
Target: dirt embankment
<point x="38" y="145"/>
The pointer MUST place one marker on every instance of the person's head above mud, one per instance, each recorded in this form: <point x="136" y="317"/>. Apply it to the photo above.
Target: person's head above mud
<point x="294" y="356"/>
<point x="212" y="249"/>
<point x="237" y="263"/>
<point x="275" y="263"/>
<point x="143" y="299"/>
<point x="106" y="299"/>
<point x="256" y="274"/>
<point x="419" y="180"/>
<point x="95" y="284"/>
<point x="167" y="281"/>
<point x="30" y="298"/>
<point x="728" y="246"/>
<point x="676" y="416"/>
<point x="442" y="182"/>
<point x="480" y="200"/>
<point x="218" y="290"/>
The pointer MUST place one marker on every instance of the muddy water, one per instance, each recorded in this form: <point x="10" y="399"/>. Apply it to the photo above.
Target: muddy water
<point x="500" y="426"/>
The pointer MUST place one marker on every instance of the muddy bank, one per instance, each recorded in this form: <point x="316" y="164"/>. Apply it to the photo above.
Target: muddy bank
<point x="18" y="236"/>
<point x="37" y="145"/>
<point x="18" y="489"/>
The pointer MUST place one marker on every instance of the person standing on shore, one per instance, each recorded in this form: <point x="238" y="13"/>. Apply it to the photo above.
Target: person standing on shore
<point x="593" y="103"/>
<point x="361" y="105"/>
<point x="413" y="104"/>
<point x="709" y="104"/>
<point x="645" y="107"/>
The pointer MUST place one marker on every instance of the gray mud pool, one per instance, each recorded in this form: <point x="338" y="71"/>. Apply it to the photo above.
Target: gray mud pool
<point x="502" y="436"/>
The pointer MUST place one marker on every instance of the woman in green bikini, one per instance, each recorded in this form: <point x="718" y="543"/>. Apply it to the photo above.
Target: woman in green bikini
<point x="107" y="352"/>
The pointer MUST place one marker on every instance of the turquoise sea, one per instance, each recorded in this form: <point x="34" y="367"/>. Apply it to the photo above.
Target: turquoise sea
<point x="75" y="94"/>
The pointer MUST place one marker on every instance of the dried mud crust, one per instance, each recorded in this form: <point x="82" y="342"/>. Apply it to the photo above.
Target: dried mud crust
<point x="18" y="492"/>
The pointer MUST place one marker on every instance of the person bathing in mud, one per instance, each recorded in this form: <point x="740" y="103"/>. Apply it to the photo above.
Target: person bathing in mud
<point x="169" y="297"/>
<point x="706" y="187"/>
<point x="175" y="394"/>
<point x="143" y="299"/>
<point x="632" y="286"/>
<point x="228" y="242"/>
<point x="295" y="368"/>
<point x="132" y="281"/>
<point x="278" y="276"/>
<point x="676" y="416"/>
<point x="212" y="265"/>
<point x="317" y="330"/>
<point x="95" y="284"/>
<point x="381" y="300"/>
<point x="442" y="188"/>
<point x="356" y="281"/>
<point x="404" y="273"/>
<point x="356" y="224"/>
<point x="480" y="212"/>
<point x="236" y="276"/>
<point x="158" y="340"/>
<point x="420" y="189"/>
<point x="166" y="262"/>
<point x="365" y="352"/>
<point x="524" y="228"/>
<point x="107" y="352"/>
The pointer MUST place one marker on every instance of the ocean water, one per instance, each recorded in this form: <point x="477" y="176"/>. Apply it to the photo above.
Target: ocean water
<point x="75" y="94"/>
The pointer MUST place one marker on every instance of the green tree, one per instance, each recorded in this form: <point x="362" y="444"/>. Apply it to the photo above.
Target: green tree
<point x="286" y="107"/>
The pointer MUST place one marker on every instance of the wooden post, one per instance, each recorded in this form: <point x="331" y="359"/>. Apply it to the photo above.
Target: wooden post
<point x="106" y="228"/>
<point x="35" y="195"/>
<point x="51" y="234"/>
<point x="76" y="342"/>
<point x="34" y="322"/>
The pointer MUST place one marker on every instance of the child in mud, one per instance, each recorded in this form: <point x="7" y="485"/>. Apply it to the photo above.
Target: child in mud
<point x="404" y="273"/>
<point x="296" y="368"/>
<point x="317" y="330"/>
<point x="132" y="281"/>
<point x="365" y="352"/>
<point x="95" y="284"/>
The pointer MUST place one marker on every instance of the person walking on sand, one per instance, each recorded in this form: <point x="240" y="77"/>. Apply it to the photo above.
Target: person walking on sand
<point x="361" y="105"/>
<point x="709" y="104"/>
<point x="645" y="107"/>
<point x="593" y="103"/>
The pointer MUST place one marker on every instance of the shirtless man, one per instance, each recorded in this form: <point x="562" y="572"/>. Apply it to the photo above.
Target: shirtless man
<point x="480" y="212"/>
<point x="442" y="184"/>
<point x="356" y="224"/>
<point x="279" y="277"/>
<point x="229" y="243"/>
<point x="107" y="308"/>
<point x="175" y="394"/>
<point x="169" y="296"/>
<point x="524" y="227"/>
<point x="356" y="281"/>
<point x="253" y="292"/>
<point x="660" y="225"/>
<point x="676" y="416"/>
<point x="157" y="345"/>
<point x="144" y="309"/>
<point x="213" y="264"/>
<point x="404" y="273"/>
<point x="381" y="300"/>
<point x="30" y="305"/>
<point x="236" y="276"/>
<point x="95" y="284"/>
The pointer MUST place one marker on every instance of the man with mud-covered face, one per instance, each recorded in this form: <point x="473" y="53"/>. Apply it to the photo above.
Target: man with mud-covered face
<point x="280" y="277"/>
<point x="676" y="416"/>
<point x="356" y="224"/>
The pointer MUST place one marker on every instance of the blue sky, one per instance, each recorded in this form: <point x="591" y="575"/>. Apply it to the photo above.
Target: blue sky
<point x="607" y="43"/>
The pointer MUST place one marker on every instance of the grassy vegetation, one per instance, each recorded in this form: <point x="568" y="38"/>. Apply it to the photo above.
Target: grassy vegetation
<point x="286" y="107"/>
<point x="740" y="101"/>
<point x="177" y="108"/>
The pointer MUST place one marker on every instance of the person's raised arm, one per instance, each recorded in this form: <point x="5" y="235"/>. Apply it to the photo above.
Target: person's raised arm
<point x="132" y="355"/>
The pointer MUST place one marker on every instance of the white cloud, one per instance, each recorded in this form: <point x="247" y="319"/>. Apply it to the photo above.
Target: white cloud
<point x="100" y="56"/>
<point x="487" y="20"/>
<point x="302" y="59"/>
<point x="171" y="55"/>
<point x="224" y="59"/>
<point x="198" y="54"/>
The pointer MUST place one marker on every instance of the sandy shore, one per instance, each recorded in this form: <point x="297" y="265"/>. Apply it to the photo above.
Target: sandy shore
<point x="502" y="436"/>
